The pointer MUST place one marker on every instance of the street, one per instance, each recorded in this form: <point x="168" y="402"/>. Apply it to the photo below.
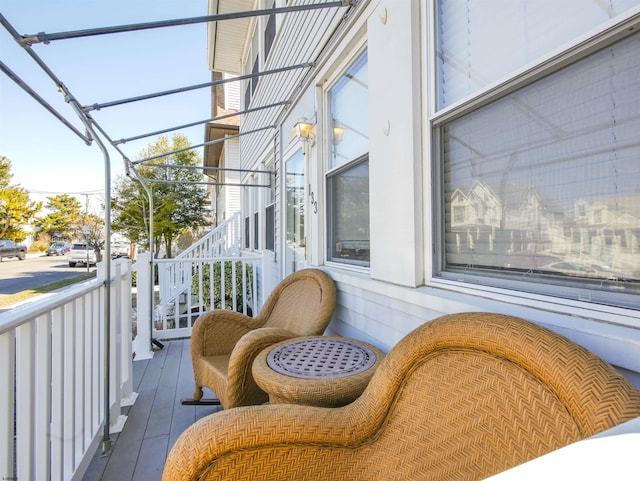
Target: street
<point x="35" y="271"/>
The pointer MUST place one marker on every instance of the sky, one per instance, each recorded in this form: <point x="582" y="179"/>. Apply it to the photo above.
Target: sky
<point x="47" y="157"/>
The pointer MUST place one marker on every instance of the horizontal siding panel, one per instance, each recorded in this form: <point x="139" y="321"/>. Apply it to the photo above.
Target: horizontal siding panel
<point x="301" y="38"/>
<point x="371" y="309"/>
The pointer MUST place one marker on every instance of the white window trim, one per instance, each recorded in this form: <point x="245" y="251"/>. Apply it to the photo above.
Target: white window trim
<point x="335" y="73"/>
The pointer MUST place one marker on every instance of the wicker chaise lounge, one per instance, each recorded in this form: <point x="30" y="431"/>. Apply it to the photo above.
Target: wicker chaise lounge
<point x="224" y="343"/>
<point x="460" y="398"/>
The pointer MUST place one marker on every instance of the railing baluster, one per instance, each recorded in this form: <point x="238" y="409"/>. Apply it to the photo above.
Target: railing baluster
<point x="57" y="393"/>
<point x="25" y="373"/>
<point x="223" y="286"/>
<point x="7" y="405"/>
<point x="68" y="359"/>
<point x="234" y="303"/>
<point x="43" y="396"/>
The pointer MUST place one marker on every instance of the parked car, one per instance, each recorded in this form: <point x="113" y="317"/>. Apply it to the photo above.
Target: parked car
<point x="81" y="254"/>
<point x="9" y="249"/>
<point x="58" y="249"/>
<point x="120" y="249"/>
<point x="581" y="269"/>
<point x="354" y="249"/>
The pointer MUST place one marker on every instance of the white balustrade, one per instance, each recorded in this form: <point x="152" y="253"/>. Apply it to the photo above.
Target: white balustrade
<point x="52" y="372"/>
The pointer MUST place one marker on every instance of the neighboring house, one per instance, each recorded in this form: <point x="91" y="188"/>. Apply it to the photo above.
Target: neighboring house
<point x="418" y="118"/>
<point x="222" y="158"/>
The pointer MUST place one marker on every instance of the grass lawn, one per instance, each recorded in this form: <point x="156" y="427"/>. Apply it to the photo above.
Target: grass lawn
<point x="28" y="294"/>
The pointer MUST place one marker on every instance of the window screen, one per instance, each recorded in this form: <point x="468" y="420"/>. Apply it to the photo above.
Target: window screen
<point x="544" y="184"/>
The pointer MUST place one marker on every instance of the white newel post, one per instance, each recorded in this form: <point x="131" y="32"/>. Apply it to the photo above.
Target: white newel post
<point x="142" y="342"/>
<point x="128" y="395"/>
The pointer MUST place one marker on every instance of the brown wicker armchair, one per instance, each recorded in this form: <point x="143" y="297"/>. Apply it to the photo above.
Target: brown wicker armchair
<point x="224" y="343"/>
<point x="462" y="397"/>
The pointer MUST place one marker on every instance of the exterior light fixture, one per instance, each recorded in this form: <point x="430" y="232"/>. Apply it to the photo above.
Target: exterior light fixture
<point x="304" y="129"/>
<point x="338" y="133"/>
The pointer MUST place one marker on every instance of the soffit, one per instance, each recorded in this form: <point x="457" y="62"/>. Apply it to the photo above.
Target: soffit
<point x="227" y="38"/>
<point x="215" y="131"/>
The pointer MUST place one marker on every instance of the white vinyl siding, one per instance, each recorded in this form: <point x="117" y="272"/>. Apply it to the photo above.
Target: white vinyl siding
<point x="308" y="31"/>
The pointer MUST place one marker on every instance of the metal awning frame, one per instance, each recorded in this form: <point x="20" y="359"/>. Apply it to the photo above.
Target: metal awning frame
<point x="210" y="142"/>
<point x="200" y="122"/>
<point x="92" y="126"/>
<point x="89" y="108"/>
<point x="46" y="38"/>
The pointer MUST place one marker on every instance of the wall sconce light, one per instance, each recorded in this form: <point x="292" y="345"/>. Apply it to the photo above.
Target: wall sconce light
<point x="304" y="129"/>
<point x="338" y="133"/>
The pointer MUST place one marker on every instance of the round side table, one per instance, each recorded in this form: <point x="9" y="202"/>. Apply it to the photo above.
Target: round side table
<point x="324" y="371"/>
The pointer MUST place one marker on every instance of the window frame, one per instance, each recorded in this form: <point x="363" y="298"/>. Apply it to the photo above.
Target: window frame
<point x="331" y="172"/>
<point x="569" y="294"/>
<point x="329" y="179"/>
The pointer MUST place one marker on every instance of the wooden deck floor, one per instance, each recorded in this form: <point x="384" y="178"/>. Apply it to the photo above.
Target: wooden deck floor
<point x="155" y="420"/>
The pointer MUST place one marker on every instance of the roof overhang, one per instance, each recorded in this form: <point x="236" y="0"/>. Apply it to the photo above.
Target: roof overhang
<point x="216" y="131"/>
<point x="227" y="39"/>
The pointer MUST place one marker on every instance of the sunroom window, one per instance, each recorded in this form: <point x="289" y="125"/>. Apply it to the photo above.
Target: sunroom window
<point x="541" y="187"/>
<point x="348" y="177"/>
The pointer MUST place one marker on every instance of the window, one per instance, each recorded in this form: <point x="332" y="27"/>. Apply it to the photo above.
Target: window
<point x="246" y="208"/>
<point x="247" y="232"/>
<point x="269" y="33"/>
<point x="540" y="188"/>
<point x="295" y="237"/>
<point x="348" y="177"/>
<point x="481" y="42"/>
<point x="270" y="231"/>
<point x="247" y="94"/>
<point x="256" y="230"/>
<point x="270" y="210"/>
<point x="254" y="80"/>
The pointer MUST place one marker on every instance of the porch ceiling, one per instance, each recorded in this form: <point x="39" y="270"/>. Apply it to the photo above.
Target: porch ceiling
<point x="227" y="39"/>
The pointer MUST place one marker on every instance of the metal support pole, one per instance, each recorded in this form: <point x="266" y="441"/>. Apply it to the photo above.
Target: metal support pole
<point x="49" y="37"/>
<point x="200" y="122"/>
<point x="136" y="162"/>
<point x="248" y="171"/>
<point x="88" y="108"/>
<point x="145" y="181"/>
<point x="106" y="439"/>
<point x="149" y="192"/>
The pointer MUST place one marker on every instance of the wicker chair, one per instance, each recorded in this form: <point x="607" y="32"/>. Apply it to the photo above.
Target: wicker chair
<point x="224" y="343"/>
<point x="462" y="398"/>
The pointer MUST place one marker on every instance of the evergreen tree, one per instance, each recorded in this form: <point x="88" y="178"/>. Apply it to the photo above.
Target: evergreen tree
<point x="16" y="208"/>
<point x="64" y="219"/>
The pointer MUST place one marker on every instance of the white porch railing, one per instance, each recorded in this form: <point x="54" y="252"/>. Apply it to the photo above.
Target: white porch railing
<point x="192" y="283"/>
<point x="196" y="285"/>
<point x="52" y="372"/>
<point x="223" y="241"/>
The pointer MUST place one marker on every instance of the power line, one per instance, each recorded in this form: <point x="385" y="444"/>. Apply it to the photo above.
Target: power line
<point x="89" y="192"/>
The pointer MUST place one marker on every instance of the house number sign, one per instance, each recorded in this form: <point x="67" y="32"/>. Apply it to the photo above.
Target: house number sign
<point x="314" y="202"/>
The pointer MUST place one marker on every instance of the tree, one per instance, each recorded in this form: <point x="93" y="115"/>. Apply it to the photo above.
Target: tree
<point x="95" y="236"/>
<point x="179" y="203"/>
<point x="64" y="219"/>
<point x="16" y="209"/>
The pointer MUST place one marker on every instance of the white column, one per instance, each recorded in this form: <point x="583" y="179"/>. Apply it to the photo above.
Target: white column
<point x="142" y="342"/>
